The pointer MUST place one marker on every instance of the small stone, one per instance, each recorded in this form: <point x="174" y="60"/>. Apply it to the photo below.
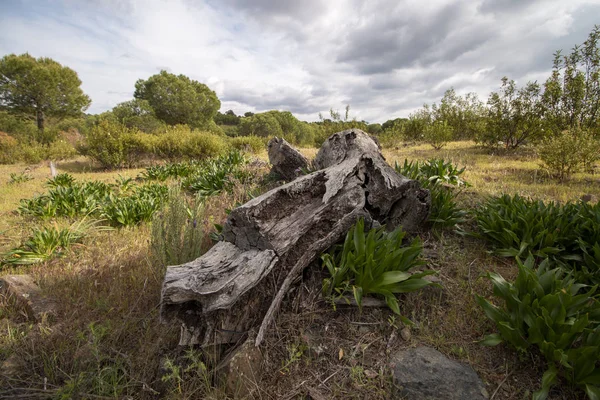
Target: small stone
<point x="369" y="373"/>
<point x="405" y="334"/>
<point x="12" y="366"/>
<point x="29" y="296"/>
<point x="242" y="370"/>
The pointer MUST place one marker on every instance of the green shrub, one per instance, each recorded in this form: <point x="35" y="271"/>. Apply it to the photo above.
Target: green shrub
<point x="60" y="150"/>
<point x="441" y="178"/>
<point x="137" y="146"/>
<point x="32" y="153"/>
<point x="24" y="130"/>
<point x="568" y="233"/>
<point x="69" y="200"/>
<point x="374" y="263"/>
<point x="177" y="231"/>
<point x="180" y="143"/>
<point x="438" y="134"/>
<point x="103" y="144"/>
<point x="136" y="208"/>
<point x="167" y="171"/>
<point x="219" y="174"/>
<point x="8" y="148"/>
<point x="204" y="145"/>
<point x="230" y="130"/>
<point x="569" y="152"/>
<point x="302" y="134"/>
<point x="63" y="179"/>
<point x="251" y="144"/>
<point x="19" y="178"/>
<point x="120" y="204"/>
<point x="263" y="124"/>
<point x="548" y="310"/>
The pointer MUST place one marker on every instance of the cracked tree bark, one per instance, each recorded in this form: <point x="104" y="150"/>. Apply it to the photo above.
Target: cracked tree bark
<point x="239" y="284"/>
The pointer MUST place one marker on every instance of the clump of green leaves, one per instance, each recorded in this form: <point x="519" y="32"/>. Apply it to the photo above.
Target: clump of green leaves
<point x="548" y="310"/>
<point x="135" y="208"/>
<point x="19" y="178"/>
<point x="219" y="174"/>
<point x="169" y="171"/>
<point x="375" y="262"/>
<point x="442" y="179"/>
<point x="48" y="242"/>
<point x="569" y="233"/>
<point x="122" y="203"/>
<point x="63" y="179"/>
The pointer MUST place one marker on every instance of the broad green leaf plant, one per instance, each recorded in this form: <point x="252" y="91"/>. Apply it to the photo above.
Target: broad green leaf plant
<point x="548" y="310"/>
<point x="375" y="262"/>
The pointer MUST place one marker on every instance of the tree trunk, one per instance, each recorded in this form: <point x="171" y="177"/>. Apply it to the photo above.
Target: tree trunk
<point x="228" y="291"/>
<point x="40" y="121"/>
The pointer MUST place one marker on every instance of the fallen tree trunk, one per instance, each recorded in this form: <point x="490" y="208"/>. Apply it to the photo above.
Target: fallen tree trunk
<point x="239" y="284"/>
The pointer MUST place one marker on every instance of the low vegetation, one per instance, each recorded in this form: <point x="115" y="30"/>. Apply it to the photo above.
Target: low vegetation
<point x="129" y="264"/>
<point x="374" y="263"/>
<point x="549" y="310"/>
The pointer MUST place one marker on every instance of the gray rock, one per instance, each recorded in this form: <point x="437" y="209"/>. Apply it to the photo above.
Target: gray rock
<point x="29" y="296"/>
<point x="287" y="161"/>
<point x="424" y="373"/>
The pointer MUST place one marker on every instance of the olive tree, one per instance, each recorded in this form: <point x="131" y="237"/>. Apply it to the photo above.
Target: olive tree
<point x="514" y="116"/>
<point x="40" y="88"/>
<point x="572" y="93"/>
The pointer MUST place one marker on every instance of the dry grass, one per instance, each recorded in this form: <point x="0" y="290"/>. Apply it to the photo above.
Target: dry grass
<point x="109" y="343"/>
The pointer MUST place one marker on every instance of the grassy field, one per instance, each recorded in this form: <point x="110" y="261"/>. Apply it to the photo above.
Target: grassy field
<point x="108" y="342"/>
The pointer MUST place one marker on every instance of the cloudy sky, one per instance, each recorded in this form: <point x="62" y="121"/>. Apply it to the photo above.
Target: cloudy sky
<point x="383" y="57"/>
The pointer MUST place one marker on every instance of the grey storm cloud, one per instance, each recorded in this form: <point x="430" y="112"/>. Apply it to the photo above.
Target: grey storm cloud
<point x="402" y="39"/>
<point x="280" y="98"/>
<point x="383" y="57"/>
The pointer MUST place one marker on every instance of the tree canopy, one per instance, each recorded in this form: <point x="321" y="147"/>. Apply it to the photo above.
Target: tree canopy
<point x="177" y="99"/>
<point x="40" y="87"/>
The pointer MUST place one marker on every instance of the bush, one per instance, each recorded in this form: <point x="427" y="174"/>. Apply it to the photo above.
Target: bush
<point x="19" y="178"/>
<point x="32" y="153"/>
<point x="177" y="231"/>
<point x="180" y="143"/>
<point x="569" y="152"/>
<point x="555" y="314"/>
<point x="252" y="144"/>
<point x="60" y="150"/>
<point x="104" y="144"/>
<point x="441" y="178"/>
<point x="164" y="172"/>
<point x="204" y="145"/>
<point x="264" y="125"/>
<point x="374" y="263"/>
<point x="22" y="129"/>
<point x="8" y="148"/>
<point x="438" y="134"/>
<point x="302" y="134"/>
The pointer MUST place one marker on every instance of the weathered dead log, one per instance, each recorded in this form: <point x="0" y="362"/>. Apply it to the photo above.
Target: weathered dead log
<point x="268" y="241"/>
<point x="287" y="162"/>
